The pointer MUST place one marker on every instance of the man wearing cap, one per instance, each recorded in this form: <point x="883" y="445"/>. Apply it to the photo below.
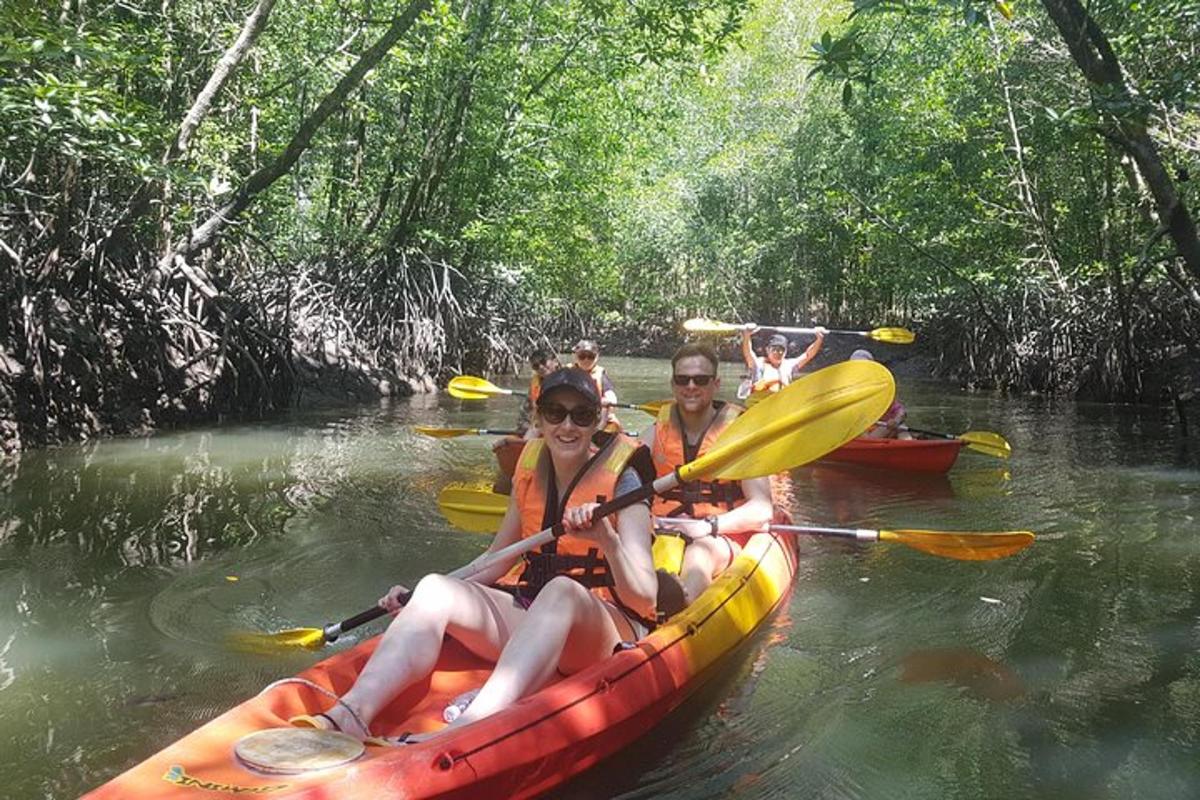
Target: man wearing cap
<point x="772" y="372"/>
<point x="587" y="354"/>
<point x="542" y="361"/>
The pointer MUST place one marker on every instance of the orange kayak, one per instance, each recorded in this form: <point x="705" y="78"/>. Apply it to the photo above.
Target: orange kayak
<point x="507" y="454"/>
<point x="523" y="751"/>
<point x="904" y="455"/>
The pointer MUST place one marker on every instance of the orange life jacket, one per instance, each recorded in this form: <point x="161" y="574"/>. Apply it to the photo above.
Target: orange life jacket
<point x="669" y="449"/>
<point x="535" y="389"/>
<point x="568" y="555"/>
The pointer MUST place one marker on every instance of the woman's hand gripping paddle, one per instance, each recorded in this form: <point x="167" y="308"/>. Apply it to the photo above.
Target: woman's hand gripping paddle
<point x="886" y="335"/>
<point x="812" y="416"/>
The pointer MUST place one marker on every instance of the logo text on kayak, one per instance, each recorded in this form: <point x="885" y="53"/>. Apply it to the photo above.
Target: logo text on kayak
<point x="177" y="776"/>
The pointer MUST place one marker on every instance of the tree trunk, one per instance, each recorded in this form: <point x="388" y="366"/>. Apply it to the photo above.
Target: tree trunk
<point x="1021" y="180"/>
<point x="206" y="234"/>
<point x="221" y="74"/>
<point x="1094" y="56"/>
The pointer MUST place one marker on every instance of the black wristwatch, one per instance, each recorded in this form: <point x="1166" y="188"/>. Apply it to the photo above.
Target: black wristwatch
<point x="711" y="519"/>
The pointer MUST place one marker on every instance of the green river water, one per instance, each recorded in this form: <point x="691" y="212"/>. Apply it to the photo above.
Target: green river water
<point x="1071" y="670"/>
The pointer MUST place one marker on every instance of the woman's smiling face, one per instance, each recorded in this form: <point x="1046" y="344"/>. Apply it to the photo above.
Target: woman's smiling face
<point x="567" y="421"/>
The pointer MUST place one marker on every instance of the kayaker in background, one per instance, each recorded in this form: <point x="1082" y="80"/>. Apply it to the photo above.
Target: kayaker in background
<point x="718" y="516"/>
<point x="773" y="371"/>
<point x="890" y="425"/>
<point x="542" y="361"/>
<point x="562" y="608"/>
<point x="587" y="357"/>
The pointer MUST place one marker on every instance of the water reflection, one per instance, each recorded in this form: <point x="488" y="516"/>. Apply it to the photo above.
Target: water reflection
<point x="1070" y="670"/>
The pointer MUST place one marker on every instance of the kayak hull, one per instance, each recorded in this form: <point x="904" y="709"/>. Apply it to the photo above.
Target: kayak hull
<point x="507" y="453"/>
<point x="902" y="455"/>
<point x="523" y="751"/>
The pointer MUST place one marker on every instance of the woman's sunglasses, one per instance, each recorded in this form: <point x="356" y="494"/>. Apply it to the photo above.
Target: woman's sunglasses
<point x="583" y="355"/>
<point x="684" y="380"/>
<point x="582" y="416"/>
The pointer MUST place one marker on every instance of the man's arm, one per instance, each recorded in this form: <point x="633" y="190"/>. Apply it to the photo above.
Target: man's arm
<point x="748" y="352"/>
<point x="811" y="353"/>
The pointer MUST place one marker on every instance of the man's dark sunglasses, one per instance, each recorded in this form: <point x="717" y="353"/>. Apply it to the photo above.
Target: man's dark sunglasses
<point x="582" y="416"/>
<point x="699" y="380"/>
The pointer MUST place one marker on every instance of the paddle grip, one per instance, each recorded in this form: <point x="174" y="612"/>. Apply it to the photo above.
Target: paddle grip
<point x="332" y="632"/>
<point x="643" y="492"/>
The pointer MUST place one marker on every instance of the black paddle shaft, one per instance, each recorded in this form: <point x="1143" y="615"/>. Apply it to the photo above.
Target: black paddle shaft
<point x="333" y="631"/>
<point x="930" y="433"/>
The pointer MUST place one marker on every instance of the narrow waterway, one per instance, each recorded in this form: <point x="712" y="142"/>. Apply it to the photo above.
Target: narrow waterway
<point x="1069" y="671"/>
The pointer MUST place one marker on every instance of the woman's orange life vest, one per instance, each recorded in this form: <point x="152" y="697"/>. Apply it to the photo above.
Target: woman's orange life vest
<point x="568" y="555"/>
<point x="670" y="450"/>
<point x="535" y="389"/>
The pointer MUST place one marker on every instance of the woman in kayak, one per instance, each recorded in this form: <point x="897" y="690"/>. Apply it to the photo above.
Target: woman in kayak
<point x="717" y="516"/>
<point x="891" y="424"/>
<point x="772" y="372"/>
<point x="561" y="608"/>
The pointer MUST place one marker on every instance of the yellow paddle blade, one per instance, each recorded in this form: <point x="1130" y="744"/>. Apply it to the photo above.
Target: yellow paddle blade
<point x="754" y="398"/>
<point x="252" y="642"/>
<point x="814" y="415"/>
<point x="652" y="408"/>
<point x="892" y="335"/>
<point x="468" y="387"/>
<point x="962" y="545"/>
<point x="700" y="325"/>
<point x="474" y="510"/>
<point x="988" y="443"/>
<point x="444" y="433"/>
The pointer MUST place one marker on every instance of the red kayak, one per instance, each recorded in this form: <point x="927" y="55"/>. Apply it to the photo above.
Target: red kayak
<point x="525" y="750"/>
<point x="903" y="455"/>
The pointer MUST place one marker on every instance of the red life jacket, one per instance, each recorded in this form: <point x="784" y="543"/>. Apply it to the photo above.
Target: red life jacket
<point x="697" y="499"/>
<point x="568" y="555"/>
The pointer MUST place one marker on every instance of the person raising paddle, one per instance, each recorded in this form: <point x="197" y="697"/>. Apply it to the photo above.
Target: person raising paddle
<point x="554" y="611"/>
<point x="720" y="514"/>
<point x="773" y="371"/>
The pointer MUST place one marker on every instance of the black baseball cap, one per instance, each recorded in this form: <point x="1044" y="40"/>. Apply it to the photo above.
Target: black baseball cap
<point x="570" y="378"/>
<point x="778" y="340"/>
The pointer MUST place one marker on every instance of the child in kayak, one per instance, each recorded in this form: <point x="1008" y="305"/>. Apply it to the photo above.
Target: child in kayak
<point x="717" y="516"/>
<point x="556" y="610"/>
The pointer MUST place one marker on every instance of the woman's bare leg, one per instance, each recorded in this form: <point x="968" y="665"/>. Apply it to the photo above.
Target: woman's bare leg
<point x="480" y="618"/>
<point x="567" y="628"/>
